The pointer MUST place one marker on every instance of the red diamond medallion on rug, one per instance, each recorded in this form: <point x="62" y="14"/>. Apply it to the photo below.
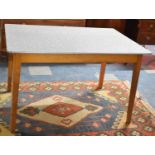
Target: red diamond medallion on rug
<point x="62" y="109"/>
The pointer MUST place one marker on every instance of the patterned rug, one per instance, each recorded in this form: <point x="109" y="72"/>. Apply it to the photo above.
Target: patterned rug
<point x="4" y="131"/>
<point x="74" y="108"/>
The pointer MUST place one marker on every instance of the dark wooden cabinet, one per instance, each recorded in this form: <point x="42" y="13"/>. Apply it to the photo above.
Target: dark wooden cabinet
<point x="118" y="24"/>
<point x="61" y="22"/>
<point x="141" y="30"/>
<point x="146" y="31"/>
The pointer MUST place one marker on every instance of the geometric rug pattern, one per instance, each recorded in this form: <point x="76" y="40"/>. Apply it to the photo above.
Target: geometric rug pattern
<point x="58" y="110"/>
<point x="3" y="129"/>
<point x="75" y="108"/>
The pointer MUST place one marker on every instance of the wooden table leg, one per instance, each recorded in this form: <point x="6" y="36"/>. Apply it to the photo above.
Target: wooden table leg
<point x="15" y="89"/>
<point x="133" y="89"/>
<point x="10" y="68"/>
<point x="101" y="77"/>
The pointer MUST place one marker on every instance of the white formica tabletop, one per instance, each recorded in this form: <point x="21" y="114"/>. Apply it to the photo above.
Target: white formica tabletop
<point x="68" y="40"/>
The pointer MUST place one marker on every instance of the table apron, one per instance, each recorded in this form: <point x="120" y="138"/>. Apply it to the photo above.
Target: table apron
<point x="76" y="58"/>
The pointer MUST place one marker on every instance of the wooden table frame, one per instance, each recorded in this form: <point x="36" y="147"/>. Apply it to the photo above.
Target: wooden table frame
<point x="16" y="59"/>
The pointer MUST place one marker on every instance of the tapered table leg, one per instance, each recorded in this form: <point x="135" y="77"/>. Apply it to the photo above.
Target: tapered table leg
<point x="101" y="76"/>
<point x="10" y="68"/>
<point x="15" y="88"/>
<point x="135" y="76"/>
